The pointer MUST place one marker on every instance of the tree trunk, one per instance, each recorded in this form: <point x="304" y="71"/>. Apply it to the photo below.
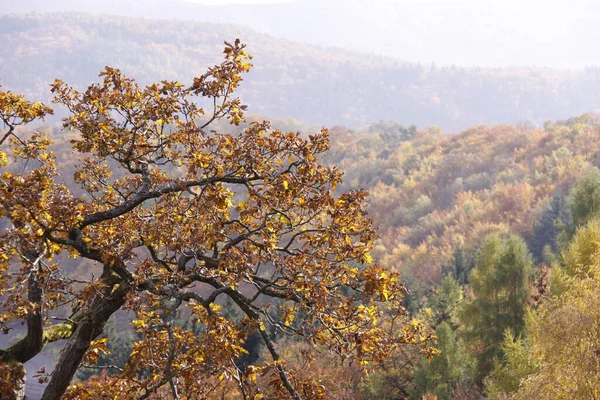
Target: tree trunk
<point x="88" y="329"/>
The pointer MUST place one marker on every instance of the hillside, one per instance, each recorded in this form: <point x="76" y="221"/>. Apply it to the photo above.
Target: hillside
<point x="436" y="199"/>
<point x="441" y="240"/>
<point x="434" y="196"/>
<point x="468" y="32"/>
<point x="313" y="84"/>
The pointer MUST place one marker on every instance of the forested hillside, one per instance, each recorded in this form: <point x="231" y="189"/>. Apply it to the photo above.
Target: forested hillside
<point x="448" y="32"/>
<point x="495" y="231"/>
<point x="316" y="85"/>
<point x="434" y="196"/>
<point x="173" y="244"/>
<point x="485" y="218"/>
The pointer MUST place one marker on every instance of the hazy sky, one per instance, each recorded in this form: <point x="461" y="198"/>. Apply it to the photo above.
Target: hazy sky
<point x="221" y="2"/>
<point x="553" y="33"/>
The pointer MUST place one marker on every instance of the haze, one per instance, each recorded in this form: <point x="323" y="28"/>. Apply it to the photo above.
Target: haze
<point x="490" y="33"/>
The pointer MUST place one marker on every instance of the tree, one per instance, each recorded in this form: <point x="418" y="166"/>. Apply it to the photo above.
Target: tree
<point x="461" y="265"/>
<point x="546" y="233"/>
<point x="583" y="251"/>
<point x="500" y="294"/>
<point x="518" y="363"/>
<point x="565" y="329"/>
<point x="176" y="217"/>
<point x="443" y="304"/>
<point x="442" y="375"/>
<point x="585" y="197"/>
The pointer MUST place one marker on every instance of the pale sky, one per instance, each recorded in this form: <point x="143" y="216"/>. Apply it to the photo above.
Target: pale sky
<point x="552" y="33"/>
<point x="223" y="2"/>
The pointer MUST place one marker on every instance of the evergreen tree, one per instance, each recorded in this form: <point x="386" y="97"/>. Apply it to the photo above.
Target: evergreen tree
<point x="500" y="292"/>
<point x="585" y="197"/>
<point x="461" y="265"/>
<point x="443" y="304"/>
<point x="518" y="362"/>
<point x="547" y="232"/>
<point x="442" y="374"/>
<point x="583" y="251"/>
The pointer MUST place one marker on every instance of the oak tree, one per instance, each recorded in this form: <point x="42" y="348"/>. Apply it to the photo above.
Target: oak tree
<point x="171" y="216"/>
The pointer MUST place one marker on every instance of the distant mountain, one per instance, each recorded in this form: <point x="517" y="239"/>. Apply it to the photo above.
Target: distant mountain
<point x="463" y="32"/>
<point x="317" y="85"/>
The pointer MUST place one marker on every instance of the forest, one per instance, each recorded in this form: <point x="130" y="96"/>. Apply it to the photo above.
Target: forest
<point x="316" y="85"/>
<point x="161" y="239"/>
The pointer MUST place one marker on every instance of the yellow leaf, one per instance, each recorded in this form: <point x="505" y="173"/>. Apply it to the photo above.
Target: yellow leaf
<point x="252" y="377"/>
<point x="285" y="184"/>
<point x="138" y="323"/>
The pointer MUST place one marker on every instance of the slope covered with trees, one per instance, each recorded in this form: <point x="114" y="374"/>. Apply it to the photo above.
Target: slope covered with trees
<point x="434" y="196"/>
<point x="466" y="220"/>
<point x="173" y="218"/>
<point x="495" y="230"/>
<point x="316" y="85"/>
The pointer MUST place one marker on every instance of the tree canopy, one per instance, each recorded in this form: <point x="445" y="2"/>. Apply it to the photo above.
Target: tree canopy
<point x="307" y="82"/>
<point x="170" y="217"/>
<point x="565" y="330"/>
<point x="500" y="285"/>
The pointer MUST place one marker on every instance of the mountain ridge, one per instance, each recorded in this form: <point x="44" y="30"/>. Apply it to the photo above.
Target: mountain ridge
<point x="316" y="85"/>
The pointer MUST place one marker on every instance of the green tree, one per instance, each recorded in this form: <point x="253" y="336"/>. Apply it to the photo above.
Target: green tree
<point x="499" y="295"/>
<point x="565" y="330"/>
<point x="577" y="258"/>
<point x="584" y="249"/>
<point x="585" y="197"/>
<point x="547" y="232"/>
<point x="461" y="265"/>
<point x="443" y="304"/>
<point x="518" y="362"/>
<point x="444" y="373"/>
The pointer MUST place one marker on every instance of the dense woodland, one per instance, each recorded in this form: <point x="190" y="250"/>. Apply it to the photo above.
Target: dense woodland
<point x="493" y="232"/>
<point x="316" y="85"/>
<point x="494" y="218"/>
<point x="494" y="229"/>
